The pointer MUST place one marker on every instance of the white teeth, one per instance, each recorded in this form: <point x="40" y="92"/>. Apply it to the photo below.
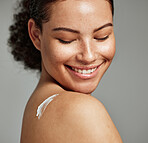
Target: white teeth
<point x="79" y="71"/>
<point x="84" y="71"/>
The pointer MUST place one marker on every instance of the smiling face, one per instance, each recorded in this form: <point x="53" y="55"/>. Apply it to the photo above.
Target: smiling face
<point x="78" y="44"/>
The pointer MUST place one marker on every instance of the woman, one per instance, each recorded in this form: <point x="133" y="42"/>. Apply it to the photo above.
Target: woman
<point x="72" y="43"/>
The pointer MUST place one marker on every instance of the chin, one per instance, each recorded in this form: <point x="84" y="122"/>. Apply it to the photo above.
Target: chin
<point x="86" y="89"/>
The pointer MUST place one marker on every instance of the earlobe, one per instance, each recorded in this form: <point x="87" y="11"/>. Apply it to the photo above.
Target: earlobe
<point x="34" y="34"/>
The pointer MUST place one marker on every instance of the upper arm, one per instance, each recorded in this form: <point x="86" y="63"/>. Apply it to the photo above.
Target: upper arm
<point x="79" y="119"/>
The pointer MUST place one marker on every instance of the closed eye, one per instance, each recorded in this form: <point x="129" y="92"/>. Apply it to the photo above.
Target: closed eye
<point x="103" y="38"/>
<point x="65" y="42"/>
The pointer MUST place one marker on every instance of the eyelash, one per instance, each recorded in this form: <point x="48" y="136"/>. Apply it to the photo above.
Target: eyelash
<point x="65" y="42"/>
<point x="68" y="42"/>
<point x="102" y="39"/>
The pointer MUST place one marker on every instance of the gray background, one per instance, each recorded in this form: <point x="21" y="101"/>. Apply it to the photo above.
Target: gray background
<point x="123" y="89"/>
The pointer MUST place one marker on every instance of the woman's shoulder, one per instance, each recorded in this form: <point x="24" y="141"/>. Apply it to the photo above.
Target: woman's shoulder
<point x="65" y="103"/>
<point x="85" y="118"/>
<point x="64" y="100"/>
<point x="68" y="104"/>
<point x="72" y="102"/>
<point x="70" y="117"/>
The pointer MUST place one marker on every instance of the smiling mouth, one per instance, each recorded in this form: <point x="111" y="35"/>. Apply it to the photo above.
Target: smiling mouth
<point x="83" y="70"/>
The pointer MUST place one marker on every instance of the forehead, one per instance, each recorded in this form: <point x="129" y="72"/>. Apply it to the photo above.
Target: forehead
<point x="77" y="13"/>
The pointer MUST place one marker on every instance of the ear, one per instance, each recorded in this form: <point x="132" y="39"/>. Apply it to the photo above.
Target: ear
<point x="35" y="34"/>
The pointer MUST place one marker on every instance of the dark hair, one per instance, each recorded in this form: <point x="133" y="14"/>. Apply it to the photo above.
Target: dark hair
<point x="21" y="45"/>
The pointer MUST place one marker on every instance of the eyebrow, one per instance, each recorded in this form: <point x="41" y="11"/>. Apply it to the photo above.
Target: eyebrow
<point x="75" y="31"/>
<point x="65" y="29"/>
<point x="104" y="26"/>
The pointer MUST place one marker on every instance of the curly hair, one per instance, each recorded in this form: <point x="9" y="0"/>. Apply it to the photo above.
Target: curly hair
<point x="21" y="45"/>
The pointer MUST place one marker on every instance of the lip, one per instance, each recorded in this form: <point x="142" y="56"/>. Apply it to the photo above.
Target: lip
<point x="84" y="76"/>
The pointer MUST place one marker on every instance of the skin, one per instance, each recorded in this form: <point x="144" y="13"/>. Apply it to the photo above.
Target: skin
<point x="87" y="26"/>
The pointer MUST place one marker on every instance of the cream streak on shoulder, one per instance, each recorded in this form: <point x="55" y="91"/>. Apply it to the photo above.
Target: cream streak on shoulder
<point x="43" y="105"/>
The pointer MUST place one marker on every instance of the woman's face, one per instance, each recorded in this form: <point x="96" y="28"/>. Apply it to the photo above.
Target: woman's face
<point x="78" y="44"/>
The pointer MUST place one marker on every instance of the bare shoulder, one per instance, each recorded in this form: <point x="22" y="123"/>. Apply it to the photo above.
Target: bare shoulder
<point x="87" y="120"/>
<point x="71" y="117"/>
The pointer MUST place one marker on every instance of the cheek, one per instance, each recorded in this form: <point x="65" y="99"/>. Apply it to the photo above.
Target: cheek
<point x="55" y="53"/>
<point x="108" y="49"/>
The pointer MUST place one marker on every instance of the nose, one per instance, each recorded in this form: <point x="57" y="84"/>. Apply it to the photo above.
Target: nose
<point x="87" y="52"/>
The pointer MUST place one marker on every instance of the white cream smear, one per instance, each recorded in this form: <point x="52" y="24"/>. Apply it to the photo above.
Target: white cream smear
<point x="43" y="105"/>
